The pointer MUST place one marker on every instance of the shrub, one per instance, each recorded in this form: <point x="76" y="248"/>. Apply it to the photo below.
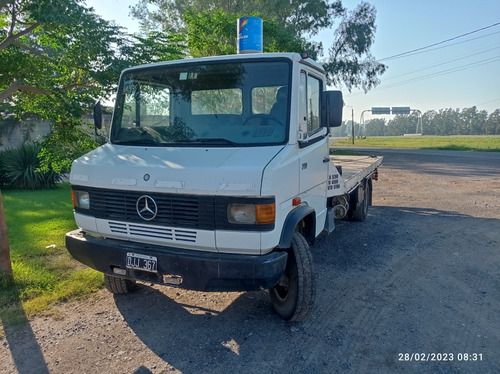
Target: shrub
<point x="66" y="142"/>
<point x="19" y="168"/>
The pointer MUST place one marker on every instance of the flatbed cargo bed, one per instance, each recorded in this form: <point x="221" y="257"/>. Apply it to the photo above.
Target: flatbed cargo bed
<point x="354" y="170"/>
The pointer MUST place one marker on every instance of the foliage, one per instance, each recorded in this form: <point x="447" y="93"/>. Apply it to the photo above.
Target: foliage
<point x="444" y="122"/>
<point x="64" y="144"/>
<point x="152" y="47"/>
<point x="300" y="16"/>
<point x="44" y="272"/>
<point x="277" y="39"/>
<point x="468" y="121"/>
<point x="210" y="26"/>
<point x="492" y="125"/>
<point x="376" y="127"/>
<point x="56" y="55"/>
<point x="402" y="124"/>
<point x="212" y="33"/>
<point x="350" y="61"/>
<point x="58" y="58"/>
<point x="19" y="169"/>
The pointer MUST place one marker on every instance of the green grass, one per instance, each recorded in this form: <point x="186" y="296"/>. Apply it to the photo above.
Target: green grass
<point x="454" y="143"/>
<point x="44" y="272"/>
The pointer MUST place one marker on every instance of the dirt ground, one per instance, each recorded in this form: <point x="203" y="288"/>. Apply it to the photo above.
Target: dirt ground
<point x="414" y="289"/>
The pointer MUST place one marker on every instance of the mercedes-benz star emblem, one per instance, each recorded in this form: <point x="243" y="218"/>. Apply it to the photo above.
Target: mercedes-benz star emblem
<point x="146" y="207"/>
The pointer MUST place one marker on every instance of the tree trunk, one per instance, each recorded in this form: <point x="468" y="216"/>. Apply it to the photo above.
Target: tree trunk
<point x="5" y="265"/>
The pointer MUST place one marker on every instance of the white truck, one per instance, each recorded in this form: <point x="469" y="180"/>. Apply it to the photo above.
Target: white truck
<point x="217" y="177"/>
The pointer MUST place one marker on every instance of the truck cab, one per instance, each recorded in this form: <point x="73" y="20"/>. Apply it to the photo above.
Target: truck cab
<point x="216" y="177"/>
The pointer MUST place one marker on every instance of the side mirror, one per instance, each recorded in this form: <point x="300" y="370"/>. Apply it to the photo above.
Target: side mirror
<point x="98" y="115"/>
<point x="331" y="110"/>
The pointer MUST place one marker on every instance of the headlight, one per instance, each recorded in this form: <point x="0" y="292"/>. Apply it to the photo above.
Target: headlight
<point x="251" y="214"/>
<point x="81" y="199"/>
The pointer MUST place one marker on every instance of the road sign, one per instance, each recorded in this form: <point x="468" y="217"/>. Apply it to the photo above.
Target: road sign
<point x="381" y="110"/>
<point x="400" y="110"/>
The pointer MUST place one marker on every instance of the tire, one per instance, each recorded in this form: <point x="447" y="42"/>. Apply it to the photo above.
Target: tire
<point x="360" y="213"/>
<point x="117" y="285"/>
<point x="293" y="297"/>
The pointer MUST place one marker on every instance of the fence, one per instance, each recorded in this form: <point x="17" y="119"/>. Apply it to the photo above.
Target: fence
<point x="13" y="133"/>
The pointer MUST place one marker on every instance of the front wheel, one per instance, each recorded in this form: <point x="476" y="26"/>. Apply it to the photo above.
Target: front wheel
<point x="117" y="285"/>
<point x="293" y="297"/>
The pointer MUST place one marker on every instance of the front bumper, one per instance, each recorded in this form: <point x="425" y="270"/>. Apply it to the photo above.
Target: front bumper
<point x="194" y="270"/>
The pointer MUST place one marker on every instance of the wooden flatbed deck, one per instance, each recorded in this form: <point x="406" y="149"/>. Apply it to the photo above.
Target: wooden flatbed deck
<point x="354" y="170"/>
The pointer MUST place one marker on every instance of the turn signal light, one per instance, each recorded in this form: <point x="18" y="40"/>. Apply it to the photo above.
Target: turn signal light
<point x="265" y="213"/>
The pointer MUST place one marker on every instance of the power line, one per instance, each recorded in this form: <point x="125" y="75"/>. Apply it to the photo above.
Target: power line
<point x="446" y="46"/>
<point x="433" y="75"/>
<point x="490" y="101"/>
<point x="439" y="43"/>
<point x="442" y="72"/>
<point x="442" y="63"/>
<point x="446" y="71"/>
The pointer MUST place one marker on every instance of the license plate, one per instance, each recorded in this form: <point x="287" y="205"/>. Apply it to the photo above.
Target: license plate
<point x="141" y="262"/>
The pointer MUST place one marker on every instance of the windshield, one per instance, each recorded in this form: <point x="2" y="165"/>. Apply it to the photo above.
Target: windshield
<point x="211" y="104"/>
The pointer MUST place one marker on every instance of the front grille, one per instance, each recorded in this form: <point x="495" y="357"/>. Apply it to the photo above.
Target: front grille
<point x="199" y="212"/>
<point x="174" y="210"/>
<point x="152" y="232"/>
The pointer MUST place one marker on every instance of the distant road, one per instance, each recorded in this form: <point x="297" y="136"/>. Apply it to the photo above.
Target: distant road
<point x="460" y="162"/>
<point x="440" y="154"/>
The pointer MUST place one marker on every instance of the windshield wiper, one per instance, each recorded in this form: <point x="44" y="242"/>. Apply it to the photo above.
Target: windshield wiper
<point x="138" y="142"/>
<point x="142" y="142"/>
<point x="215" y="141"/>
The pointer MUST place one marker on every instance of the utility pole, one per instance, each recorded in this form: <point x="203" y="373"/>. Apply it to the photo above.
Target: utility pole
<point x="5" y="265"/>
<point x="352" y="121"/>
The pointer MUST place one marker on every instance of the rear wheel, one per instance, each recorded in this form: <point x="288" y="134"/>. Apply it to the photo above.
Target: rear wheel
<point x="119" y="285"/>
<point x="361" y="201"/>
<point x="293" y="297"/>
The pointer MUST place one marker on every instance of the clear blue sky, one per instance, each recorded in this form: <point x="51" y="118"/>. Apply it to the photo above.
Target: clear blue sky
<point x="457" y="74"/>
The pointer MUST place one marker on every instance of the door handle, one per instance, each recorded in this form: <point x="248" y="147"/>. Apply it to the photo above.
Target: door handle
<point x="326" y="159"/>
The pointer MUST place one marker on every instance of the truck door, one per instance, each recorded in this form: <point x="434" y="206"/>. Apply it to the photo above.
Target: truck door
<point x="313" y="147"/>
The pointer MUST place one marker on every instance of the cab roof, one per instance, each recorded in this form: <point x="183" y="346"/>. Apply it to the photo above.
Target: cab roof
<point x="234" y="58"/>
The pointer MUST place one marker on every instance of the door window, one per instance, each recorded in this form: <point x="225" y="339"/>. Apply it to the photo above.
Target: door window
<point x="309" y="104"/>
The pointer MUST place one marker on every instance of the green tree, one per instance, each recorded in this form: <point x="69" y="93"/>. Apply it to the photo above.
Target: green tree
<point x="428" y="121"/>
<point x="446" y="122"/>
<point x="350" y="62"/>
<point x="492" y="126"/>
<point x="402" y="124"/>
<point x="288" y="26"/>
<point x="299" y="15"/>
<point x="468" y="121"/>
<point x="472" y="121"/>
<point x="375" y="127"/>
<point x="211" y="33"/>
<point x="55" y="54"/>
<point x="58" y="58"/>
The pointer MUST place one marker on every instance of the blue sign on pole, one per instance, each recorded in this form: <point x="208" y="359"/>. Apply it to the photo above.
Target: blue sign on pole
<point x="381" y="110"/>
<point x="401" y="110"/>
